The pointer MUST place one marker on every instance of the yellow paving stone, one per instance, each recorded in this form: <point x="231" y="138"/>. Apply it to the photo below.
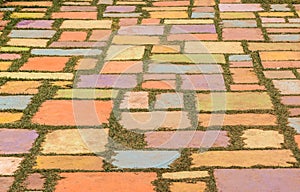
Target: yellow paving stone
<point x="20" y="87"/>
<point x="165" y="49"/>
<point x="256" y="138"/>
<point x="36" y="76"/>
<point x="188" y="21"/>
<point x="168" y="14"/>
<point x="234" y="101"/>
<point x="199" y="186"/>
<point x="4" y="65"/>
<point x="14" y="49"/>
<point x="280" y="56"/>
<point x="237" y="15"/>
<point x="19" y="15"/>
<point x="28" y="42"/>
<point x="6" y="117"/>
<point x="135" y="40"/>
<point x="125" y="52"/>
<point x="283" y="158"/>
<point x="276" y="14"/>
<point x="273" y="46"/>
<point x="85" y="93"/>
<point x="213" y="47"/>
<point x="185" y="175"/>
<point x="69" y="162"/>
<point x="62" y="84"/>
<point x="86" y="24"/>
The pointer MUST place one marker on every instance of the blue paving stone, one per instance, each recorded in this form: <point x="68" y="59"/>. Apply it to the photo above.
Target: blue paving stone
<point x="203" y="15"/>
<point x="144" y="159"/>
<point x="67" y="52"/>
<point x="179" y="69"/>
<point x="239" y="23"/>
<point x="288" y="37"/>
<point x="240" y="58"/>
<point x="32" y="33"/>
<point x="295" y="123"/>
<point x="14" y="102"/>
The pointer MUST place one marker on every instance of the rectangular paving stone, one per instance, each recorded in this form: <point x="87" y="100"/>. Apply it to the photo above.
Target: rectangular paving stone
<point x="141" y="30"/>
<point x="183" y="69"/>
<point x="135" y="100"/>
<point x="242" y="158"/>
<point x="280" y="64"/>
<point x="6" y="183"/>
<point x="237" y="15"/>
<point x="71" y="113"/>
<point x="283" y="37"/>
<point x="86" y="93"/>
<point x="294" y="123"/>
<point x="78" y="8"/>
<point x="279" y="55"/>
<point x="29" y="3"/>
<point x="37" y="76"/>
<point x="239" y="23"/>
<point x="86" y="24"/>
<point x="192" y="37"/>
<point x="135" y="40"/>
<point x="68" y="44"/>
<point x="191" y="187"/>
<point x="213" y="47"/>
<point x="45" y="64"/>
<point x="279" y="74"/>
<point x="137" y="159"/>
<point x="34" y="181"/>
<point x="8" y="165"/>
<point x="119" y="9"/>
<point x="32" y="33"/>
<point x="187" y="21"/>
<point x="234" y="101"/>
<point x="169" y="100"/>
<point x="257" y="179"/>
<point x="287" y="87"/>
<point x="35" y="24"/>
<point x="74" y="15"/>
<point x="20" y="15"/>
<point x="256" y="138"/>
<point x="107" y="81"/>
<point x="16" y="141"/>
<point x="18" y="102"/>
<point x="20" y="87"/>
<point x="240" y="7"/>
<point x="125" y="52"/>
<point x="251" y="34"/>
<point x="66" y="52"/>
<point x="274" y="46"/>
<point x="121" y="15"/>
<point x="189" y="58"/>
<point x="185" y="175"/>
<point x="238" y="75"/>
<point x="168" y="14"/>
<point x="182" y="29"/>
<point x="106" y="181"/>
<point x="9" y="56"/>
<point x="119" y="67"/>
<point x="28" y="42"/>
<point x="154" y="120"/>
<point x="94" y="163"/>
<point x="276" y="14"/>
<point x="186" y="139"/>
<point x="205" y="82"/>
<point x="290" y="100"/>
<point x="6" y="117"/>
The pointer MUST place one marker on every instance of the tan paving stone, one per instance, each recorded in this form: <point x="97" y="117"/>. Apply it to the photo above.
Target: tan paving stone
<point x="256" y="138"/>
<point x="185" y="175"/>
<point x="187" y="187"/>
<point x="20" y="87"/>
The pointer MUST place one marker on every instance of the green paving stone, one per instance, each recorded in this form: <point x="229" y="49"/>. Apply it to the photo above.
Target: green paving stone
<point x="14" y="49"/>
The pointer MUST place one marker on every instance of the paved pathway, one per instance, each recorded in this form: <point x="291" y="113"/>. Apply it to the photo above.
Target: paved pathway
<point x="142" y="96"/>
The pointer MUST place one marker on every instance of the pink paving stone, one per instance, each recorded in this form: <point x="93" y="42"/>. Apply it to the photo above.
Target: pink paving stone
<point x="279" y="74"/>
<point x="35" y="181"/>
<point x="16" y="141"/>
<point x="128" y="21"/>
<point x="119" y="9"/>
<point x="280" y="64"/>
<point x="186" y="139"/>
<point x="183" y="29"/>
<point x="78" y="8"/>
<point x="171" y="3"/>
<point x="246" y="87"/>
<point x="141" y="30"/>
<point x="9" y="56"/>
<point x="272" y="20"/>
<point x="192" y="37"/>
<point x="100" y="35"/>
<point x="249" y="180"/>
<point x="36" y="24"/>
<point x="203" y="9"/>
<point x="290" y="100"/>
<point x="240" y="7"/>
<point x="241" y="64"/>
<point x="294" y="112"/>
<point x="242" y="34"/>
<point x="5" y="183"/>
<point x="214" y="82"/>
<point x="283" y="30"/>
<point x="150" y="21"/>
<point x="159" y="76"/>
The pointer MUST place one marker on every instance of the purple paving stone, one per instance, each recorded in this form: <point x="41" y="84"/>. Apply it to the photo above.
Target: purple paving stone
<point x="107" y="81"/>
<point x="186" y="139"/>
<point x="205" y="82"/>
<point x="78" y="8"/>
<point x="119" y="9"/>
<point x="240" y="7"/>
<point x="36" y="24"/>
<point x="5" y="183"/>
<point x="9" y="56"/>
<point x="249" y="180"/>
<point x="77" y="44"/>
<point x="181" y="29"/>
<point x="15" y="141"/>
<point x="141" y="30"/>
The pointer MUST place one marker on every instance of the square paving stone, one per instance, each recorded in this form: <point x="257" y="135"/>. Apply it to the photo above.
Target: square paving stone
<point x="35" y="181"/>
<point x="135" y="159"/>
<point x="233" y="101"/>
<point x="17" y="102"/>
<point x="199" y="186"/>
<point x="255" y="138"/>
<point x="169" y="100"/>
<point x="20" y="87"/>
<point x="8" y="165"/>
<point x="6" y="182"/>
<point x="106" y="181"/>
<point x="76" y="112"/>
<point x="135" y="100"/>
<point x="94" y="163"/>
<point x="186" y="139"/>
<point x="287" y="87"/>
<point x="267" y="180"/>
<point x="74" y="141"/>
<point x="45" y="64"/>
<point x="154" y="120"/>
<point x="15" y="141"/>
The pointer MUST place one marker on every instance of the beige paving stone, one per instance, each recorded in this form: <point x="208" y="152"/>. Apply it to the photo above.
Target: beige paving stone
<point x="125" y="52"/>
<point x="135" y="100"/>
<point x="185" y="175"/>
<point x="86" y="24"/>
<point x="213" y="47"/>
<point x="279" y="74"/>
<point x="256" y="138"/>
<point x="36" y="76"/>
<point x="276" y="14"/>
<point x="283" y="158"/>
<point x="8" y="165"/>
<point x="135" y="40"/>
<point x="187" y="187"/>
<point x="165" y="49"/>
<point x="28" y="42"/>
<point x="188" y="21"/>
<point x="20" y="87"/>
<point x="74" y="141"/>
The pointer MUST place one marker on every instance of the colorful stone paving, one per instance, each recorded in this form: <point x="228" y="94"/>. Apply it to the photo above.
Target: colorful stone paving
<point x="144" y="96"/>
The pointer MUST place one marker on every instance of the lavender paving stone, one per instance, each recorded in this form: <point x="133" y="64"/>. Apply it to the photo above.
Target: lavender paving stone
<point x="119" y="9"/>
<point x="266" y="180"/>
<point x="66" y="52"/>
<point x="14" y="102"/>
<point x="169" y="68"/>
<point x="239" y="23"/>
<point x="186" y="139"/>
<point x="141" y="30"/>
<point x="240" y="58"/>
<point x="78" y="8"/>
<point x="288" y="37"/>
<point x="295" y="123"/>
<point x="144" y="159"/>
<point x="32" y="33"/>
<point x="240" y="7"/>
<point x="6" y="182"/>
<point x="15" y="141"/>
<point x="107" y="81"/>
<point x="179" y="29"/>
<point x="207" y="82"/>
<point x="203" y="15"/>
<point x="169" y="100"/>
<point x="71" y="44"/>
<point x="36" y="24"/>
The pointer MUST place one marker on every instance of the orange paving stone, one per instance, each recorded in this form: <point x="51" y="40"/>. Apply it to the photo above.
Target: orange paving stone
<point x="73" y="36"/>
<point x="45" y="64"/>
